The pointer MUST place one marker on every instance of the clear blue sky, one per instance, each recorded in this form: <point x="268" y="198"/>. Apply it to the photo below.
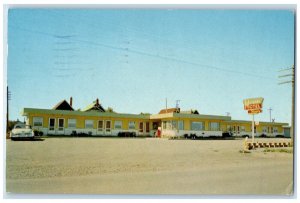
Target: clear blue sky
<point x="132" y="60"/>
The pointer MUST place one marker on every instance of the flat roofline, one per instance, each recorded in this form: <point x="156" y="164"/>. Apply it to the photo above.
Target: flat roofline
<point x="83" y="113"/>
<point x="263" y="122"/>
<point x="184" y="115"/>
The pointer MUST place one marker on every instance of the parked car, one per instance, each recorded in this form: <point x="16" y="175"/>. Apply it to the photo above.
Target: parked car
<point x="20" y="131"/>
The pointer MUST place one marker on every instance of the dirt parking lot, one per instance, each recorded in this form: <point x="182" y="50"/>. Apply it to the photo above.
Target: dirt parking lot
<point x="145" y="166"/>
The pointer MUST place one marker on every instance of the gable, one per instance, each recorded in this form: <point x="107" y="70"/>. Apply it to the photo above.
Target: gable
<point x="63" y="105"/>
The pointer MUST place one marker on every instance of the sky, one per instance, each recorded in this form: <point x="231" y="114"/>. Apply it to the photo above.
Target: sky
<point x="133" y="59"/>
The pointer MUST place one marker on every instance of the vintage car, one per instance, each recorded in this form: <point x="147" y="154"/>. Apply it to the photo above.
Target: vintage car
<point x="21" y="131"/>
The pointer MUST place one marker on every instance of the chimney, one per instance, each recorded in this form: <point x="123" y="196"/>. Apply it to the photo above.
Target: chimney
<point x="97" y="101"/>
<point x="71" y="101"/>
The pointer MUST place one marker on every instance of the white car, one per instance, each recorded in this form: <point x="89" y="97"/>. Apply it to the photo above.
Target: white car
<point x="21" y="131"/>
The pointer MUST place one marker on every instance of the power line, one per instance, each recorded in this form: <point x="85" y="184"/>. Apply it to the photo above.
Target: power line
<point x="291" y="80"/>
<point x="158" y="38"/>
<point x="150" y="54"/>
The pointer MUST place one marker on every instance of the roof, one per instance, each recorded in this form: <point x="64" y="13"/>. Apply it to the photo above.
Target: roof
<point x="94" y="107"/>
<point x="184" y="115"/>
<point x="260" y="122"/>
<point x="63" y="105"/>
<point x="27" y="111"/>
<point x="170" y="110"/>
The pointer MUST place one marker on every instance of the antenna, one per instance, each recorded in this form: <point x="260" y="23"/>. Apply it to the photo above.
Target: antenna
<point x="177" y="104"/>
<point x="166" y="104"/>
<point x="270" y="109"/>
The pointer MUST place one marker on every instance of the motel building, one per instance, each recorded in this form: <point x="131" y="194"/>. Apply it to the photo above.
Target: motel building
<point x="94" y="120"/>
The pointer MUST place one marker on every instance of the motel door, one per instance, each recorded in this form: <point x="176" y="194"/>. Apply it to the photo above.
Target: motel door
<point x="147" y="127"/>
<point x="141" y="128"/>
<point x="107" y="128"/>
<point x="61" y="124"/>
<point x="51" y="129"/>
<point x="144" y="127"/>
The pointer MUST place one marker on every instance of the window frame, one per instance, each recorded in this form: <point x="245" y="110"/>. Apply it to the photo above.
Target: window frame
<point x="70" y="119"/>
<point x="218" y="126"/>
<point x="180" y="125"/>
<point x="85" y="124"/>
<point x="119" y="127"/>
<point x="130" y="126"/>
<point x="37" y="117"/>
<point x="198" y="122"/>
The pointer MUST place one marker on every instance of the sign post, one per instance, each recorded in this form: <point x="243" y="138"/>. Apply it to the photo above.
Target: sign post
<point x="253" y="106"/>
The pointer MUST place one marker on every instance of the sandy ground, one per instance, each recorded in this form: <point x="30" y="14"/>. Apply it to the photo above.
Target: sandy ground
<point x="145" y="166"/>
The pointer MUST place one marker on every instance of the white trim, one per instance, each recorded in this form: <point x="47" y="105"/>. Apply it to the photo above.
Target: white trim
<point x="198" y="133"/>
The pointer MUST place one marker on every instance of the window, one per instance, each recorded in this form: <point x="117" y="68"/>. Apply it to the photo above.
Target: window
<point x="37" y="121"/>
<point x="197" y="126"/>
<point x="215" y="126"/>
<point x="131" y="125"/>
<point x="275" y="130"/>
<point x="180" y="125"/>
<point x="169" y="125"/>
<point x="155" y="125"/>
<point x="118" y="124"/>
<point x="51" y="123"/>
<point x="164" y="125"/>
<point x="72" y="123"/>
<point x="265" y="129"/>
<point x="174" y="125"/>
<point x="100" y="125"/>
<point x="89" y="124"/>
<point x="229" y="128"/>
<point x="242" y="128"/>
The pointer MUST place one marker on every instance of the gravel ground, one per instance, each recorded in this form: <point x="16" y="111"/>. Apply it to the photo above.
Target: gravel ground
<point x="145" y="166"/>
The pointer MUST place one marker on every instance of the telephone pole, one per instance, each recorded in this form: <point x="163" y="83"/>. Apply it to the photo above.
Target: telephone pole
<point x="291" y="80"/>
<point x="8" y="95"/>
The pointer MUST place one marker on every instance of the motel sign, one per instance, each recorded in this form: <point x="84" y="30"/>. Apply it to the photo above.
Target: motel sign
<point x="253" y="106"/>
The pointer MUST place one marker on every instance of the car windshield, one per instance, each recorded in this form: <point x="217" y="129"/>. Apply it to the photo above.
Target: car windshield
<point x="19" y="126"/>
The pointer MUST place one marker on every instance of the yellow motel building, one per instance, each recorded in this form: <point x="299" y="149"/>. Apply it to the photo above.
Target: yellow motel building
<point x="94" y="120"/>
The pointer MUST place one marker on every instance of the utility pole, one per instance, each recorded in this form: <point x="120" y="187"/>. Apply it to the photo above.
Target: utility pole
<point x="8" y="95"/>
<point x="292" y="81"/>
<point x="270" y="109"/>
